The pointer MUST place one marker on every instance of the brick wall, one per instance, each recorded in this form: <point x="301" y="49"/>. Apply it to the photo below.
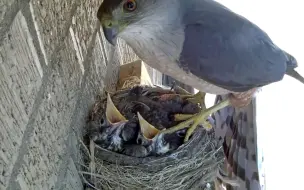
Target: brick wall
<point x="53" y="62"/>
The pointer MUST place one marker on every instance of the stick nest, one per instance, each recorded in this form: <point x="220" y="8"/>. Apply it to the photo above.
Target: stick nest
<point x="191" y="166"/>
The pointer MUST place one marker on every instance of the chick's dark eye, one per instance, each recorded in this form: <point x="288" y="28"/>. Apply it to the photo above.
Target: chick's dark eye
<point x="130" y="5"/>
<point x="103" y="122"/>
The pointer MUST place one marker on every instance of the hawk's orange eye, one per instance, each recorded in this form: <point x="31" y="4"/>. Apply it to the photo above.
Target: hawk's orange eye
<point x="130" y="5"/>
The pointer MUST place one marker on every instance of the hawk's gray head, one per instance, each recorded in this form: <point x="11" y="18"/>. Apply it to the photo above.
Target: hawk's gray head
<point x="155" y="30"/>
<point x="130" y="19"/>
<point x="150" y="27"/>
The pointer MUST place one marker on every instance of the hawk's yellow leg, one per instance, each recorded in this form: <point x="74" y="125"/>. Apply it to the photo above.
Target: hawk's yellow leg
<point x="195" y="120"/>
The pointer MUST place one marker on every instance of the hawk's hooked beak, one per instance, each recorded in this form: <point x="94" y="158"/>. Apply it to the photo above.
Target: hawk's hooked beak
<point x="110" y="29"/>
<point x="110" y="35"/>
<point x="112" y="114"/>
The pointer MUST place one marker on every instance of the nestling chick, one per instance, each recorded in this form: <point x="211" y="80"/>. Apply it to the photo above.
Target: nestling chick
<point x="114" y="130"/>
<point x="166" y="143"/>
<point x="156" y="105"/>
<point x="123" y="129"/>
<point x="135" y="150"/>
<point x="156" y="142"/>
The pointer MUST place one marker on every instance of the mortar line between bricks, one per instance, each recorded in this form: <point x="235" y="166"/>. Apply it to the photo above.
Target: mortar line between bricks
<point x="23" y="149"/>
<point x="103" y="48"/>
<point x="32" y="29"/>
<point x="9" y="17"/>
<point x="86" y="63"/>
<point x="36" y="27"/>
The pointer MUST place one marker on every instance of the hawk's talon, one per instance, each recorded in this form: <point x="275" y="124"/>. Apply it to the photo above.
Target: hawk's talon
<point x="198" y="98"/>
<point x="180" y="126"/>
<point x="197" y="119"/>
<point x="203" y="116"/>
<point x="182" y="117"/>
<point x="207" y="125"/>
<point x="190" y="131"/>
<point x="180" y="90"/>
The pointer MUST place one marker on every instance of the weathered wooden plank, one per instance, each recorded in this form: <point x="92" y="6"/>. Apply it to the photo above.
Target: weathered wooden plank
<point x="134" y="72"/>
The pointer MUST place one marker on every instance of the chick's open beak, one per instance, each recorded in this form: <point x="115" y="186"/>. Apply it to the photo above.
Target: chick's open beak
<point x="112" y="114"/>
<point x="148" y="130"/>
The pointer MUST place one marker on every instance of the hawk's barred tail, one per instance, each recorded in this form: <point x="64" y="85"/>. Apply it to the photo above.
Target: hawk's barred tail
<point x="237" y="129"/>
<point x="291" y="65"/>
<point x="294" y="74"/>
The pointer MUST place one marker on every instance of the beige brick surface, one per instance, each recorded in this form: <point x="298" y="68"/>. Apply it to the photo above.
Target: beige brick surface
<point x="121" y="54"/>
<point x="8" y="10"/>
<point x="83" y="24"/>
<point x="47" y="142"/>
<point x="92" y="85"/>
<point x="20" y="79"/>
<point x="97" y="69"/>
<point x="71" y="180"/>
<point x="5" y="5"/>
<point x="53" y="19"/>
<point x="44" y="105"/>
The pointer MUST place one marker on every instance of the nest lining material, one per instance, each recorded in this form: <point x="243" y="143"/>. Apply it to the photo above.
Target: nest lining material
<point x="191" y="166"/>
<point x="130" y="82"/>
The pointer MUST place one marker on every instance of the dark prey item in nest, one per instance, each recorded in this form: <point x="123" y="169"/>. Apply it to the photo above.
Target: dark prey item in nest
<point x="134" y="121"/>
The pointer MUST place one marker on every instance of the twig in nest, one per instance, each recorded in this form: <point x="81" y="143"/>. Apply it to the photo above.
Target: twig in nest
<point x="88" y="183"/>
<point x="92" y="161"/>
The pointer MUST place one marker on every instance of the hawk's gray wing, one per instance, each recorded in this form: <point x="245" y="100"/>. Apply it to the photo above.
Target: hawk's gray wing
<point x="227" y="50"/>
<point x="238" y="130"/>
